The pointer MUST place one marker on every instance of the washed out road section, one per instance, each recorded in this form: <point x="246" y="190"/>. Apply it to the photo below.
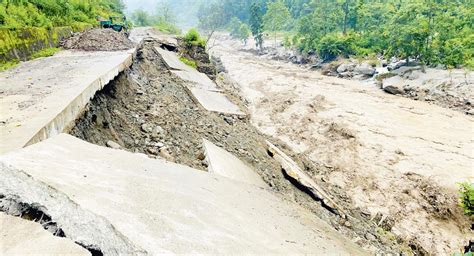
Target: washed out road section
<point x="161" y="207"/>
<point x="41" y="98"/>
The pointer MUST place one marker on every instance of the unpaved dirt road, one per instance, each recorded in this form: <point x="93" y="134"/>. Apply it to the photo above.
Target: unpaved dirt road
<point x="393" y="156"/>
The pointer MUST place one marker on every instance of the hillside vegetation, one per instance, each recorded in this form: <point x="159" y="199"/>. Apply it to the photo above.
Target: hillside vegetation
<point x="433" y="32"/>
<point x="54" y="13"/>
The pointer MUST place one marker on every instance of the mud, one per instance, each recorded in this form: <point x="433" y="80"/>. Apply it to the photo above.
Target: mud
<point x="98" y="40"/>
<point x="147" y="110"/>
<point x="384" y="158"/>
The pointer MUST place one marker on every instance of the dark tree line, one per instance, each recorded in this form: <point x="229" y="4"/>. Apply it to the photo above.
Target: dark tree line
<point x="431" y="31"/>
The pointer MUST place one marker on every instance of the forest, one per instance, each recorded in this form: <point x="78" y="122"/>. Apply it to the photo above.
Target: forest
<point x="429" y="31"/>
<point x="55" y="13"/>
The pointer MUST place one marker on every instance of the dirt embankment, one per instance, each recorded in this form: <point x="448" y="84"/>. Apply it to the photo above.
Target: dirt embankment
<point x="148" y="110"/>
<point x="98" y="40"/>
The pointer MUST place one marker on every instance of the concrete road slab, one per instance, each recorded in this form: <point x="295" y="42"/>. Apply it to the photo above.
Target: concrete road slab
<point x="214" y="101"/>
<point x="41" y="98"/>
<point x="203" y="90"/>
<point x="172" y="60"/>
<point x="23" y="237"/>
<point x="199" y="80"/>
<point x="223" y="163"/>
<point x="158" y="207"/>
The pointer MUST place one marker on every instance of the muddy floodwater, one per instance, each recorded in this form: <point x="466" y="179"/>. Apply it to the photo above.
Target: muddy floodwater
<point x="394" y="157"/>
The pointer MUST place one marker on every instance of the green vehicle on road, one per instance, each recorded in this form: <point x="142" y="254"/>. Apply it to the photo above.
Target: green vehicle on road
<point x="116" y="23"/>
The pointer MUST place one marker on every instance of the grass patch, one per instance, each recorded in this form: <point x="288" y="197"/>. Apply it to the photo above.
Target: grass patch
<point x="44" y="53"/>
<point x="168" y="28"/>
<point x="4" y="65"/>
<point x="188" y="62"/>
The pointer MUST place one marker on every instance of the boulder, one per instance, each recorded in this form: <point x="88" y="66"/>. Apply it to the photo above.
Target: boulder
<point x="406" y="70"/>
<point x="147" y="127"/>
<point x="393" y="90"/>
<point x="112" y="144"/>
<point x="157" y="132"/>
<point x="345" y="67"/>
<point x="365" y="69"/>
<point x="393" y="85"/>
<point x="396" y="65"/>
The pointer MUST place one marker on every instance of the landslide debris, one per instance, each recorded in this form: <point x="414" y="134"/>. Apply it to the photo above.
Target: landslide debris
<point x="148" y="110"/>
<point x="98" y="39"/>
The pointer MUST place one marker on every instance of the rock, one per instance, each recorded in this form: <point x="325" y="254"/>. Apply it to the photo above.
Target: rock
<point x="396" y="65"/>
<point x="345" y="67"/>
<point x="113" y="145"/>
<point x="392" y="90"/>
<point x="394" y="85"/>
<point x="413" y="75"/>
<point x="405" y="70"/>
<point x="152" y="151"/>
<point x="370" y="237"/>
<point x="147" y="127"/>
<point x="165" y="154"/>
<point x="317" y="65"/>
<point x="157" y="131"/>
<point x="365" y="69"/>
<point x="346" y="74"/>
<point x="229" y="120"/>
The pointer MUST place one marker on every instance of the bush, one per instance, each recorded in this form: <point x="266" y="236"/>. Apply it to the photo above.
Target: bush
<point x="188" y="62"/>
<point x="466" y="191"/>
<point x="334" y="45"/>
<point x="192" y="38"/>
<point x="44" y="53"/>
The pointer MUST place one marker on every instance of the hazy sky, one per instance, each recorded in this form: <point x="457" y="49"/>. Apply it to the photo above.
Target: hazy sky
<point x="148" y="5"/>
<point x="184" y="10"/>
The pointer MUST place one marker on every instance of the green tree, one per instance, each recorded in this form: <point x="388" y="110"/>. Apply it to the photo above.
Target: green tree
<point x="234" y="26"/>
<point x="408" y="31"/>
<point x="165" y="13"/>
<point x="239" y="30"/>
<point x="211" y="18"/>
<point x="256" y="24"/>
<point x="141" y="18"/>
<point x="276" y="17"/>
<point x="244" y="33"/>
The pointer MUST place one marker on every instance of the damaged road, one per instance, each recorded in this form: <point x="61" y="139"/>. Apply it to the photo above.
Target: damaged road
<point x="163" y="185"/>
<point x="150" y="110"/>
